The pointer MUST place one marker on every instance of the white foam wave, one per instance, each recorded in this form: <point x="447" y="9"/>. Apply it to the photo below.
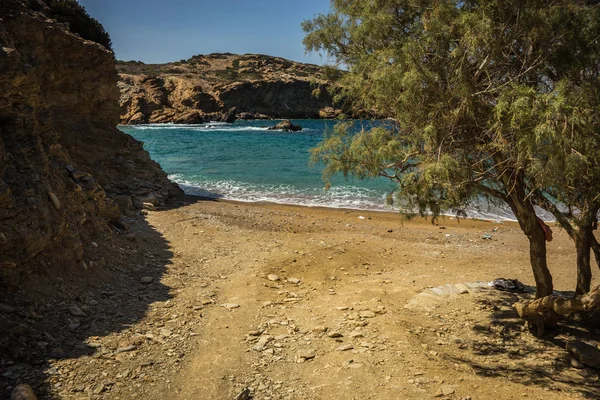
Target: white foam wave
<point x="205" y="127"/>
<point x="350" y="197"/>
<point x="337" y="197"/>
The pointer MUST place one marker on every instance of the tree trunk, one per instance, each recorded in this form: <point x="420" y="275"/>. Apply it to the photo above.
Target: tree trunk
<point x="537" y="256"/>
<point x="528" y="222"/>
<point x="584" y="271"/>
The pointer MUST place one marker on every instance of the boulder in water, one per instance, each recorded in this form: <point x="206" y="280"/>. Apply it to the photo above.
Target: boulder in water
<point x="286" y="126"/>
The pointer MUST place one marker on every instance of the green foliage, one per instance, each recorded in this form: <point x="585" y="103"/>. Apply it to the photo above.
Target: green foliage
<point x="80" y="22"/>
<point x="490" y="98"/>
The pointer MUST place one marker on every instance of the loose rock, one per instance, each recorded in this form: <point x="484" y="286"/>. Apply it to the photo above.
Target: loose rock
<point x="307" y="354"/>
<point x="23" y="392"/>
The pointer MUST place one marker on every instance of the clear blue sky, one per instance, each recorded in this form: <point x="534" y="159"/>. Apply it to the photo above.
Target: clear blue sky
<point x="158" y="31"/>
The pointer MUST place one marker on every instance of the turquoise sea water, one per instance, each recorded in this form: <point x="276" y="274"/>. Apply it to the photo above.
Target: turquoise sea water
<point x="246" y="162"/>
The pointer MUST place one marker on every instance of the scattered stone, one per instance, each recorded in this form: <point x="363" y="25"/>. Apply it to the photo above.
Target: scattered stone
<point x="273" y="277"/>
<point x="576" y="364"/>
<point x="54" y="199"/>
<point x="165" y="332"/>
<point x="230" y="306"/>
<point x="585" y="353"/>
<point x="462" y="289"/>
<point x="367" y="314"/>
<point x="23" y="392"/>
<point x="76" y="311"/>
<point x="57" y="353"/>
<point x="319" y="329"/>
<point x="125" y="349"/>
<point x="294" y="281"/>
<point x="334" y="335"/>
<point x="6" y="309"/>
<point x="447" y="390"/>
<point x="243" y="395"/>
<point x="99" y="389"/>
<point x="345" y="347"/>
<point x="262" y="342"/>
<point x="351" y="364"/>
<point x="146" y="280"/>
<point x="307" y="354"/>
<point x="356" y="334"/>
<point x="73" y="324"/>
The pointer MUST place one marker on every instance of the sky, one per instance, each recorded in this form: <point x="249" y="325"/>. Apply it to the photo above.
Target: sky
<point x="160" y="31"/>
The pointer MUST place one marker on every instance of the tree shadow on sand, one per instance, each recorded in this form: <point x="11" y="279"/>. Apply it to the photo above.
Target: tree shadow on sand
<point x="77" y="314"/>
<point x="503" y="348"/>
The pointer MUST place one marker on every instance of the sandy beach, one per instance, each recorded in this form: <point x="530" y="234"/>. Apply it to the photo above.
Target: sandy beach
<point x="224" y="299"/>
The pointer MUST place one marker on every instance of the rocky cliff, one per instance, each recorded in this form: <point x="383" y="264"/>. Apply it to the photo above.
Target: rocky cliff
<point x="66" y="172"/>
<point x="219" y="86"/>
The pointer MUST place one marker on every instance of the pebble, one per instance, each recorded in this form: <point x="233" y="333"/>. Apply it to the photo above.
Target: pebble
<point x="73" y="324"/>
<point x="307" y="354"/>
<point x="245" y="394"/>
<point x="230" y="306"/>
<point x="334" y="335"/>
<point x="76" y="311"/>
<point x="576" y="364"/>
<point x="147" y="280"/>
<point x="262" y="342"/>
<point x="351" y="364"/>
<point x="23" y="392"/>
<point x="164" y="332"/>
<point x="367" y="314"/>
<point x="345" y="347"/>
<point x="319" y="329"/>
<point x="294" y="281"/>
<point x="273" y="277"/>
<point x="5" y="308"/>
<point x="445" y="390"/>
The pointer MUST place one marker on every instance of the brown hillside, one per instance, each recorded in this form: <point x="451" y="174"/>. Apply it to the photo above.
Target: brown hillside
<point x="209" y="88"/>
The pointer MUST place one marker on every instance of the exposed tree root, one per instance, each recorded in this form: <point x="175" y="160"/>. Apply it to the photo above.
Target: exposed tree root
<point x="546" y="311"/>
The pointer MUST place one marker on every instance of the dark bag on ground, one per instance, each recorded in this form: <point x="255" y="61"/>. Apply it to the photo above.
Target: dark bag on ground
<point x="508" y="285"/>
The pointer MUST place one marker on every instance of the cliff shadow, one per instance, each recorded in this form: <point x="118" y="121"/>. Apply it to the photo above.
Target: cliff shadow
<point x="92" y="314"/>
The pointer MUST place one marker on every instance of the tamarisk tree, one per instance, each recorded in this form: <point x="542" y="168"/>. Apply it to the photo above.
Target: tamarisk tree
<point x="488" y="99"/>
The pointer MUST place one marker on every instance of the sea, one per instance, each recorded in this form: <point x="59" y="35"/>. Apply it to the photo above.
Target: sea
<point x="245" y="161"/>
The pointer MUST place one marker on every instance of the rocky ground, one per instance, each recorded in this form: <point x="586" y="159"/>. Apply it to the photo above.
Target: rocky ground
<point x="221" y="300"/>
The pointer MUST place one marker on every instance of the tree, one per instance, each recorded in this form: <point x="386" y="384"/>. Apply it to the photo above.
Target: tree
<point x="479" y="92"/>
<point x="80" y="22"/>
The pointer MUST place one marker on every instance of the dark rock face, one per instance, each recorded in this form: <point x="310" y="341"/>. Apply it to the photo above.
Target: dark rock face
<point x="61" y="157"/>
<point x="208" y="87"/>
<point x="286" y="126"/>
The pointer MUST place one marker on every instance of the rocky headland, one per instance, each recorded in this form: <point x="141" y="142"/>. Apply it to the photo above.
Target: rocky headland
<point x="223" y="87"/>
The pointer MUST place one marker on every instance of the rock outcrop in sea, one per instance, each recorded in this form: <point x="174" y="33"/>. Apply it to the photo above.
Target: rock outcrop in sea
<point x="64" y="166"/>
<point x="286" y="125"/>
<point x="222" y="87"/>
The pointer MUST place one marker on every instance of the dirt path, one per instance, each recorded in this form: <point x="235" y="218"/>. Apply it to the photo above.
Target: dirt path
<point x="280" y="302"/>
<point x="309" y="304"/>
